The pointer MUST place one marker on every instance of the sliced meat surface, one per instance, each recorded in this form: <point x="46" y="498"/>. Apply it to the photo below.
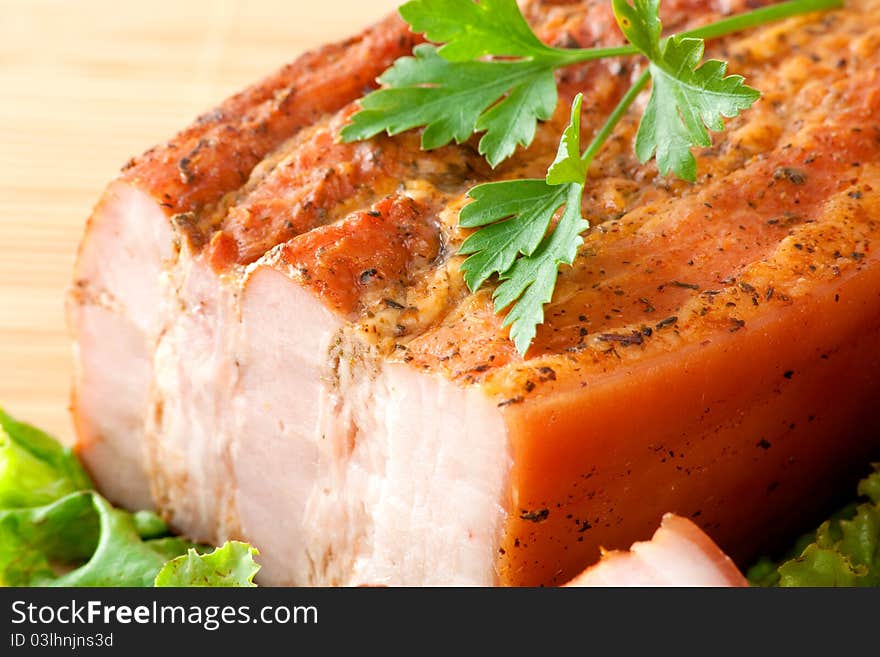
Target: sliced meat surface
<point x="164" y="201"/>
<point x="678" y="554"/>
<point x="310" y="373"/>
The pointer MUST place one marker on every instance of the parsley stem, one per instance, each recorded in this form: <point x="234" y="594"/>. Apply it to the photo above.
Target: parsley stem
<point x="578" y="55"/>
<point x="615" y="116"/>
<point x="761" y="16"/>
<point x="720" y="28"/>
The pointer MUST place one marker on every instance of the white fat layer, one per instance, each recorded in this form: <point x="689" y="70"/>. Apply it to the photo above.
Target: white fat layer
<point x="351" y="469"/>
<point x="113" y="318"/>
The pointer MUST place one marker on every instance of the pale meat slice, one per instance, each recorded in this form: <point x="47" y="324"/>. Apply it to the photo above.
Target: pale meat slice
<point x="161" y="201"/>
<point x="185" y="444"/>
<point x="678" y="554"/>
<point x="111" y="312"/>
<point x="351" y="480"/>
<point x="311" y="182"/>
<point x="343" y="472"/>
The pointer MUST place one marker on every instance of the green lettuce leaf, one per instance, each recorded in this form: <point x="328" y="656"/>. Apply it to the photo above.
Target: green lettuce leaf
<point x="149" y="525"/>
<point x="843" y="551"/>
<point x="56" y="531"/>
<point x="80" y="540"/>
<point x="34" y="468"/>
<point x="821" y="567"/>
<point x="230" y="565"/>
<point x="870" y="486"/>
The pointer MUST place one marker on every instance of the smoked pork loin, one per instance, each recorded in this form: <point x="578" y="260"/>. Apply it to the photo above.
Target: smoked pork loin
<point x="274" y="343"/>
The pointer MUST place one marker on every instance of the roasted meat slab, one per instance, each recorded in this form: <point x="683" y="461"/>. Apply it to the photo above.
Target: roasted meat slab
<point x="274" y="342"/>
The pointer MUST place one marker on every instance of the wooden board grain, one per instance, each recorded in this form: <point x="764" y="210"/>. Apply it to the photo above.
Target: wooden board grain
<point x="84" y="85"/>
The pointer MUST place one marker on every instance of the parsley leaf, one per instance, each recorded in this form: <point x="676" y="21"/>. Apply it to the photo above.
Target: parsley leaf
<point x="686" y="99"/>
<point x="531" y="280"/>
<point x="513" y="240"/>
<point x="455" y="99"/>
<point x="492" y="74"/>
<point x="454" y="92"/>
<point x="569" y="166"/>
<point x="521" y="211"/>
<point x="470" y="31"/>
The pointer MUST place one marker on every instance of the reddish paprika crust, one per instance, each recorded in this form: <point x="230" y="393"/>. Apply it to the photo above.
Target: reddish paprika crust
<point x="216" y="154"/>
<point x="320" y="180"/>
<point x="376" y="249"/>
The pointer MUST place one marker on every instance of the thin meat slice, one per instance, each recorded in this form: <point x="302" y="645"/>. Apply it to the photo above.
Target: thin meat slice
<point x="112" y="309"/>
<point x="185" y="445"/>
<point x="679" y="554"/>
<point x="331" y="453"/>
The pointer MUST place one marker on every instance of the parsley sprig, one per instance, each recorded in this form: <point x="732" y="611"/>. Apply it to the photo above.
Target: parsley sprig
<point x="492" y="75"/>
<point x="517" y="213"/>
<point x="685" y="99"/>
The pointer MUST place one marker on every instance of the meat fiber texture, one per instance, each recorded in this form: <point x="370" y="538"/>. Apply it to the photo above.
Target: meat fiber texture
<point x="274" y="343"/>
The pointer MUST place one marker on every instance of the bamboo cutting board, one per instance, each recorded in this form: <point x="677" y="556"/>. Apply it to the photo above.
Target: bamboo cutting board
<point x="84" y="85"/>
